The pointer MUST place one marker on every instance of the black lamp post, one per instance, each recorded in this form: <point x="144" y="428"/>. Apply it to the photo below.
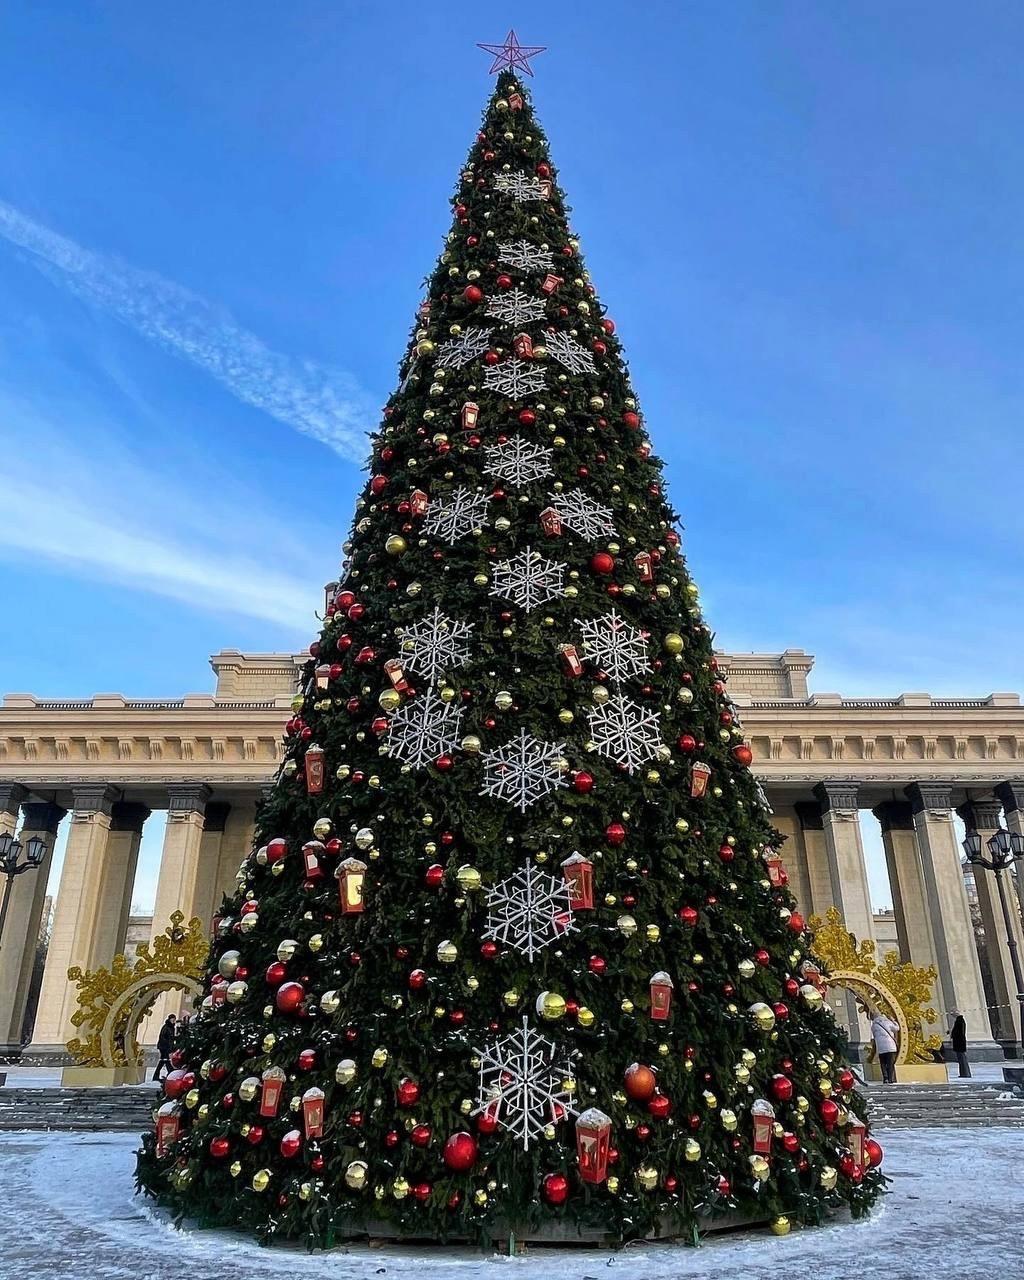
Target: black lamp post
<point x="1004" y="848"/>
<point x="11" y="865"/>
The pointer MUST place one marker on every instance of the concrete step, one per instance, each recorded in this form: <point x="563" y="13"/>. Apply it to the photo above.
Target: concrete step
<point x="92" y="1109"/>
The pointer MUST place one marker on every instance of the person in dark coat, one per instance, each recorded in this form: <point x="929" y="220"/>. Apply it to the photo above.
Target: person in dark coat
<point x="164" y="1046"/>
<point x="958" y="1040"/>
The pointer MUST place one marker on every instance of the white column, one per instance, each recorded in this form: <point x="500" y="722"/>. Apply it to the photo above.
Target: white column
<point x="77" y="915"/>
<point x="956" y="957"/>
<point x="118" y="878"/>
<point x="1012" y="795"/>
<point x="793" y="854"/>
<point x="982" y="815"/>
<point x="817" y="883"/>
<point x="24" y="923"/>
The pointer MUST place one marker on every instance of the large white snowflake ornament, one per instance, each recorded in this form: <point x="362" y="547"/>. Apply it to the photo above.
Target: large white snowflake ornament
<point x="528" y="579"/>
<point x="625" y="732"/>
<point x="619" y="649"/>
<point x="435" y="644"/>
<point x="523" y="771"/>
<point x="469" y="345"/>
<point x="521" y="186"/>
<point x="424" y="729"/>
<point x="515" y="307"/>
<point x="569" y="353"/>
<point x="461" y="514"/>
<point x="514" y="378"/>
<point x="583" y="515"/>
<point x="529" y="910"/>
<point x="523" y="256"/>
<point x="523" y="1085"/>
<point x="518" y="461"/>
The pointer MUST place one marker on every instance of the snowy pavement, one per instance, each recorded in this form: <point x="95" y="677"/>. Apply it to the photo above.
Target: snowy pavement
<point x="956" y="1206"/>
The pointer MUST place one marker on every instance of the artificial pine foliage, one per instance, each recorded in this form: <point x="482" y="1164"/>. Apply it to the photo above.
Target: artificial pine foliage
<point x="533" y="916"/>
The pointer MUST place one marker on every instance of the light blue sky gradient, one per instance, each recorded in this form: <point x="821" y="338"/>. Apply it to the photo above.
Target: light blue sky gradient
<point x="805" y="218"/>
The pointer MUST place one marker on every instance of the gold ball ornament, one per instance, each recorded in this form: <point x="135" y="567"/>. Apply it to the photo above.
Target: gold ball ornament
<point x="646" y="1178"/>
<point x="626" y="925"/>
<point x="585" y="1018"/>
<point x="380" y="1058"/>
<point x="471" y="744"/>
<point x="356" y="1175"/>
<point x="503" y="700"/>
<point x="447" y="952"/>
<point x="389" y="700"/>
<point x="364" y="838"/>
<point x="673" y="642"/>
<point x="237" y="990"/>
<point x="322" y="828"/>
<point x="759" y="1168"/>
<point x="746" y="968"/>
<point x="269" y="1040"/>
<point x="729" y="1121"/>
<point x="550" y="1006"/>
<point x="692" y="1150"/>
<point x="400" y="1188"/>
<point x="345" y="1071"/>
<point x="828" y="1177"/>
<point x="511" y="998"/>
<point x="396" y="545"/>
<point x="286" y="949"/>
<point x="235" y="1168"/>
<point x="763" y="1016"/>
<point x="468" y="878"/>
<point x="780" y="1225"/>
<point x="261" y="1180"/>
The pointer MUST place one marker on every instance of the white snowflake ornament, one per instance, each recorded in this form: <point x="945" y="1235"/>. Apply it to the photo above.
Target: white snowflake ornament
<point x="521" y="186"/>
<point x="515" y="307"/>
<point x="518" y="461"/>
<point x="424" y="729"/>
<point x="469" y="345"/>
<point x="528" y="579"/>
<point x="514" y="378"/>
<point x="583" y="515"/>
<point x="523" y="771"/>
<point x="462" y="514"/>
<point x="625" y="732"/>
<point x="529" y="910"/>
<point x="569" y="353"/>
<point x="520" y="255"/>
<point x="616" y="647"/>
<point x="435" y="644"/>
<point x="523" y="1085"/>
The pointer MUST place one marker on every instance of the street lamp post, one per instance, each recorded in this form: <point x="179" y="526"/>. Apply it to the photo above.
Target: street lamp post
<point x="1004" y="848"/>
<point x="11" y="865"/>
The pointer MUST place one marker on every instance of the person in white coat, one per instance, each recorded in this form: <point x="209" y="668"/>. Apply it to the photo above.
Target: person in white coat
<point x="884" y="1033"/>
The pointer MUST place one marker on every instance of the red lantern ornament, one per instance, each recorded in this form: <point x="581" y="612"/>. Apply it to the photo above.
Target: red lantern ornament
<point x="407" y="1093"/>
<point x="351" y="879"/>
<point x="272" y="1088"/>
<point x="640" y="1082"/>
<point x="556" y="1188"/>
<point x="763" y="1115"/>
<point x="700" y="776"/>
<point x="470" y="415"/>
<point x="522" y="345"/>
<point x="550" y="522"/>
<point x="460" y="1152"/>
<point x="856" y="1136"/>
<point x="578" y="873"/>
<point x="314" y="765"/>
<point x="394" y="672"/>
<point x="644" y="566"/>
<point x="593" y="1140"/>
<point x="550" y="283"/>
<point x="290" y="996"/>
<point x="602" y="563"/>
<point x="168" y="1127"/>
<point x="661" y="996"/>
<point x="313" y="1112"/>
<point x="311" y="852"/>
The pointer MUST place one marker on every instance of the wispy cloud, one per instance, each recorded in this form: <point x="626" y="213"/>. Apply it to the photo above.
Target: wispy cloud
<point x="102" y="516"/>
<point x="324" y="403"/>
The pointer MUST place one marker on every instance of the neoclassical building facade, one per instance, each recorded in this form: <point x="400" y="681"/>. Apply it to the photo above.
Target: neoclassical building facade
<point x="103" y="764"/>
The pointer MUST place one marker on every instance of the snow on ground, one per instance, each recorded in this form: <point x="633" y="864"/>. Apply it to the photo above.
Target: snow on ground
<point x="67" y="1213"/>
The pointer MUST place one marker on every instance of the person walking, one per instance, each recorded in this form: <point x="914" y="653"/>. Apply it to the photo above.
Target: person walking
<point x="884" y="1032"/>
<point x="958" y="1039"/>
<point x="164" y="1046"/>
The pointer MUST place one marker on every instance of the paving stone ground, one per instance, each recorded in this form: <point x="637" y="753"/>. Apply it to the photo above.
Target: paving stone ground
<point x="956" y="1207"/>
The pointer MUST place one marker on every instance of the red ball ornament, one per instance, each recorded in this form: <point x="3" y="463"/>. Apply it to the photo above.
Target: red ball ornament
<point x="421" y="1192"/>
<point x="408" y="1093"/>
<point x="276" y="974"/>
<point x="417" y="979"/>
<point x="602" y="563"/>
<point x="660" y="1106"/>
<point x="782" y="1088"/>
<point x="460" y="1152"/>
<point x="290" y="996"/>
<point x="392" y="1139"/>
<point x="724" y="1185"/>
<point x="556" y="1188"/>
<point x="726" y="852"/>
<point x="597" y="965"/>
<point x="742" y="754"/>
<point x="219" y="1148"/>
<point x="583" y="782"/>
<point x="491" y="357"/>
<point x="846" y="1081"/>
<point x="791" y="988"/>
<point x="689" y="916"/>
<point x="791" y="1143"/>
<point x="420" y="1136"/>
<point x="255" y="1135"/>
<point x="276" y="849"/>
<point x="796" y="922"/>
<point x="488" y="950"/>
<point x="640" y="1082"/>
<point x="291" y="1144"/>
<point x="307" y="1059"/>
<point x="847" y="1165"/>
<point x="177" y="1083"/>
<point x="615" y="833"/>
<point x="504" y="282"/>
<point x="378" y="484"/>
<point x="434" y="875"/>
<point x="527" y="417"/>
<point x="762" y="957"/>
<point x="473" y="293"/>
<point x="829" y="1112"/>
<point x="780" y="1010"/>
<point x="487" y="1121"/>
<point x="874" y="1153"/>
<point x="631" y="419"/>
<point x="686" y="743"/>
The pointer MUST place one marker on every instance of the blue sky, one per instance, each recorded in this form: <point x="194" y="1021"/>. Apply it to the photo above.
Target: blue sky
<point x="805" y="218"/>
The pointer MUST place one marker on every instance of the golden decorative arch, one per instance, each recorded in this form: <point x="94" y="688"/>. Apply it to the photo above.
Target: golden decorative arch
<point x="112" y="1002"/>
<point x="900" y="989"/>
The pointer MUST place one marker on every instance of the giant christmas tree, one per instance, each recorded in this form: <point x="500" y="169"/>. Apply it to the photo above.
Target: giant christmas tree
<point x="514" y="947"/>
